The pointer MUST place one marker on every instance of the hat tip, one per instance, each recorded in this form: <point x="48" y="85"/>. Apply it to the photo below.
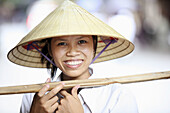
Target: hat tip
<point x="66" y="2"/>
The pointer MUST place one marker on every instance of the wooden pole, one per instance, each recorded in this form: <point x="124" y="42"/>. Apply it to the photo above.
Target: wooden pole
<point x="86" y="83"/>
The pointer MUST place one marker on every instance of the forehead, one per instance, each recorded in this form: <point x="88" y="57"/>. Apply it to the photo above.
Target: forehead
<point x="71" y="37"/>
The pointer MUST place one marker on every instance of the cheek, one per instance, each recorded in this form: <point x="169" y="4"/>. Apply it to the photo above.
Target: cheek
<point x="57" y="54"/>
<point x="88" y="51"/>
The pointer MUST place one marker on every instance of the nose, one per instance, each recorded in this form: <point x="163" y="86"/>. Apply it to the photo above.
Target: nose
<point x="72" y="51"/>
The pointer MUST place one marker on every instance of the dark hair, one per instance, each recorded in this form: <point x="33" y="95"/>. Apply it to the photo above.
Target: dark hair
<point x="47" y="49"/>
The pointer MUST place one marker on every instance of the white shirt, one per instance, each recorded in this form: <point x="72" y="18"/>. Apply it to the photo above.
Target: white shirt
<point x="106" y="99"/>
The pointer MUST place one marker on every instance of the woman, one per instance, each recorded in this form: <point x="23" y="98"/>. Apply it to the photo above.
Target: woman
<point x="71" y="39"/>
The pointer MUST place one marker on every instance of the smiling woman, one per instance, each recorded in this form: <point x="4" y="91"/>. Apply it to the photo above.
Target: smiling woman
<point x="71" y="39"/>
<point x="73" y="55"/>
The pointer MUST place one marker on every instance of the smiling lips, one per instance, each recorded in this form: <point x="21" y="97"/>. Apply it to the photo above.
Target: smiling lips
<point x="73" y="63"/>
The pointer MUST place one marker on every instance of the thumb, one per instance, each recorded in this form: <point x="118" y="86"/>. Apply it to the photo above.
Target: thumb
<point x="74" y="91"/>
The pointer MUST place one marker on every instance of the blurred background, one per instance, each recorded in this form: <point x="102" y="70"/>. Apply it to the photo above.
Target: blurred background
<point x="144" y="22"/>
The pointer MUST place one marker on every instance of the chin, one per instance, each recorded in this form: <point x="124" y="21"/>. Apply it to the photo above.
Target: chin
<point x="73" y="74"/>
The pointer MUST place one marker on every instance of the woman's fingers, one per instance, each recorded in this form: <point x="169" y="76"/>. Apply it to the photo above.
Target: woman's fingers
<point x="70" y="103"/>
<point x="43" y="90"/>
<point x="53" y="103"/>
<point x="53" y="100"/>
<point x="46" y="102"/>
<point x="74" y="91"/>
<point x="54" y="106"/>
<point x="64" y="93"/>
<point x="54" y="91"/>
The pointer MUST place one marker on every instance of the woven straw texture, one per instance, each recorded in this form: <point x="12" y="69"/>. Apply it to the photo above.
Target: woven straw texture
<point x="69" y="19"/>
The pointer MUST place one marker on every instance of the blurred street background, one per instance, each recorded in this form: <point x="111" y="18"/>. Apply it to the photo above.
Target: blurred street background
<point x="144" y="22"/>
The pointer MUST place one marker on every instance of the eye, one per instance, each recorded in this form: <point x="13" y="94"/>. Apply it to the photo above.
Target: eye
<point x="82" y="42"/>
<point x="62" y="44"/>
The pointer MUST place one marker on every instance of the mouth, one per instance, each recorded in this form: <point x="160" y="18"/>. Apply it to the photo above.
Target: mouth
<point x="73" y="63"/>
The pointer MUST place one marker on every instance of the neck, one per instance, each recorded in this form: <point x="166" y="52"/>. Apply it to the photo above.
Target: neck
<point x="65" y="77"/>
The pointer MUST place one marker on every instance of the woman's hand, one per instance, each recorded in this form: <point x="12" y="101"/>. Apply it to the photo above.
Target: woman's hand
<point x="46" y="103"/>
<point x="70" y="103"/>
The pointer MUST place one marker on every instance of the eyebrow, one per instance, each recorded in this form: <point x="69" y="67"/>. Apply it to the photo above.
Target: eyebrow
<point x="82" y="37"/>
<point x="61" y="39"/>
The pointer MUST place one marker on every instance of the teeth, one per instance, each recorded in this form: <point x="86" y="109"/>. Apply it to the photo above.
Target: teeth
<point x="74" y="62"/>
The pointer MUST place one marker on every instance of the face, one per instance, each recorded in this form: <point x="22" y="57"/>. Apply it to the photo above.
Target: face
<point x="73" y="55"/>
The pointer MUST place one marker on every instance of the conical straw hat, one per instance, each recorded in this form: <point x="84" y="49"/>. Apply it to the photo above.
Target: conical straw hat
<point x="69" y="19"/>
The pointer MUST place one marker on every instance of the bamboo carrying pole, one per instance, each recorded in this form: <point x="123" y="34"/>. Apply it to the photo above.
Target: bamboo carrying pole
<point x="86" y="83"/>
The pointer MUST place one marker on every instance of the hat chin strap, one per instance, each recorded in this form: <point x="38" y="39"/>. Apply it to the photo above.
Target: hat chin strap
<point x="111" y="42"/>
<point x="41" y="52"/>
